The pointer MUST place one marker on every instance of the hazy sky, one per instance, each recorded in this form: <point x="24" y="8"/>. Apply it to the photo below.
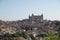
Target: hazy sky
<point x="21" y="9"/>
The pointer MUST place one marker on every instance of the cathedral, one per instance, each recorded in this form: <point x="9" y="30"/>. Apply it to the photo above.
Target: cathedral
<point x="36" y="17"/>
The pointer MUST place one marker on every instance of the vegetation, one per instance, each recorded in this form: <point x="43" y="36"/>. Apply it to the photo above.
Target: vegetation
<point x="14" y="36"/>
<point x="52" y="36"/>
<point x="57" y="23"/>
<point x="42" y="35"/>
<point x="24" y="35"/>
<point x="32" y="37"/>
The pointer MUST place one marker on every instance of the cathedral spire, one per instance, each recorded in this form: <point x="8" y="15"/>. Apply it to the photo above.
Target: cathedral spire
<point x="42" y="14"/>
<point x="32" y="14"/>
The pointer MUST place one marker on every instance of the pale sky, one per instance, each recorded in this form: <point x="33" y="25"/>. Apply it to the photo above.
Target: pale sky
<point x="21" y="9"/>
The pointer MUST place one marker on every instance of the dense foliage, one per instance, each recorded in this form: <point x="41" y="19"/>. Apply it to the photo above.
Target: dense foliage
<point x="14" y="36"/>
<point x="52" y="36"/>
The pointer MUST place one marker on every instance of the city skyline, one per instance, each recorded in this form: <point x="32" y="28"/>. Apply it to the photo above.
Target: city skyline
<point x="21" y="9"/>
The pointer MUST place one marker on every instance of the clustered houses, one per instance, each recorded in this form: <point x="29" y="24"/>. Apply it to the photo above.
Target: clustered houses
<point x="4" y="30"/>
<point x="35" y="25"/>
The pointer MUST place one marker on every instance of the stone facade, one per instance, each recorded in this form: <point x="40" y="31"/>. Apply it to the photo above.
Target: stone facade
<point x="36" y="18"/>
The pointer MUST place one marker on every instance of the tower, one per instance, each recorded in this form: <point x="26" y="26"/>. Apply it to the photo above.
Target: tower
<point x="42" y="17"/>
<point x="32" y="14"/>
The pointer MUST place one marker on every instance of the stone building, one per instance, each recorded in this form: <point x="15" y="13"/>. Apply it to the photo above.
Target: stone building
<point x="36" y="18"/>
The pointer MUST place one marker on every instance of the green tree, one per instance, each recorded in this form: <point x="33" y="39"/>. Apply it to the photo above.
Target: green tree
<point x="7" y="36"/>
<point x="42" y="35"/>
<point x="24" y="35"/>
<point x="15" y="36"/>
<point x="52" y="36"/>
<point x="32" y="37"/>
